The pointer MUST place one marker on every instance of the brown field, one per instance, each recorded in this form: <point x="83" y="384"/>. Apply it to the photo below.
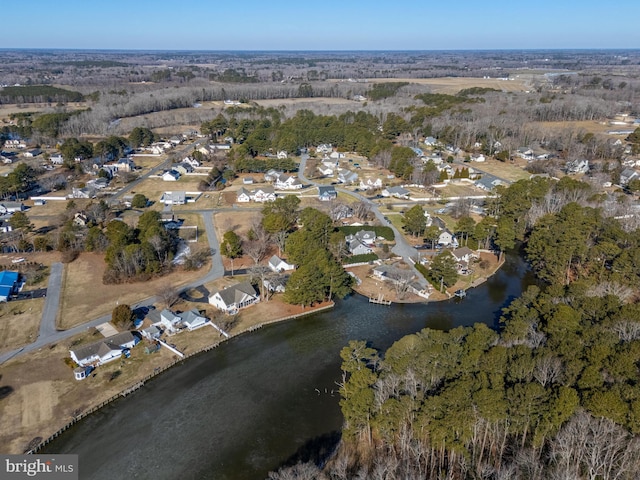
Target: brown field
<point x="84" y="297"/>
<point x="588" y="126"/>
<point x="19" y="322"/>
<point x="43" y="396"/>
<point x="305" y="102"/>
<point x="512" y="171"/>
<point x="11" y="108"/>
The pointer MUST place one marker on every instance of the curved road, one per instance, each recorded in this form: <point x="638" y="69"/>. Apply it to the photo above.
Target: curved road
<point x="402" y="248"/>
<point x="49" y="334"/>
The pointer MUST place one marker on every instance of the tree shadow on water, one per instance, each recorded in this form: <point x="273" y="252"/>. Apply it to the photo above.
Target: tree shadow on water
<point x="317" y="450"/>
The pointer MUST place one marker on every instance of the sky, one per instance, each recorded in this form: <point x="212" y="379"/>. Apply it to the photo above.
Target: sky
<point x="325" y="25"/>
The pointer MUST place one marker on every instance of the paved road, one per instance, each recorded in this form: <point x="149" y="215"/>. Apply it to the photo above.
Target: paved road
<point x="50" y="312"/>
<point x="48" y="333"/>
<point x="402" y="247"/>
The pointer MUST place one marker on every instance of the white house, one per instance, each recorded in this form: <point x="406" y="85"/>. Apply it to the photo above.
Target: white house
<point x="281" y="155"/>
<point x="235" y="297"/>
<point x="192" y="319"/>
<point x="103" y="351"/>
<point x="11" y="207"/>
<point x="264" y="194"/>
<point x="398" y="192"/>
<point x="347" y="177"/>
<point x="324" y="148"/>
<point x="278" y="265"/>
<point x="243" y="195"/>
<point x="171" y="176"/>
<point x="463" y="254"/>
<point x="174" y="198"/>
<point x="430" y="141"/>
<point x="327" y="193"/>
<point x="447" y="238"/>
<point x="356" y="247"/>
<point x="370" y="183"/>
<point x="287" y="182"/>
<point x="337" y="155"/>
<point x="478" y="158"/>
<point x="326" y="171"/>
<point x="191" y="161"/>
<point x="525" y="153"/>
<point x="165" y="320"/>
<point x="56" y="159"/>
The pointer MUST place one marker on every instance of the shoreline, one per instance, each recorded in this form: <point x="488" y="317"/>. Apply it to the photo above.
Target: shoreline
<point x="139" y="383"/>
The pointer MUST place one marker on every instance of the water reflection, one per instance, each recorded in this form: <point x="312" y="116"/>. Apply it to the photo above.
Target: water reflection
<point x="242" y="409"/>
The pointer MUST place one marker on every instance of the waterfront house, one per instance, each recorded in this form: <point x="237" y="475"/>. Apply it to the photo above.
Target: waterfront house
<point x="105" y="350"/>
<point x="235" y="297"/>
<point x="192" y="319"/>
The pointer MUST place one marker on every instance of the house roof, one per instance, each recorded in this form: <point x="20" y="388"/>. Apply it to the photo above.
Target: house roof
<point x="235" y="293"/>
<point x="191" y="316"/>
<point x="461" y="252"/>
<point x="103" y="347"/>
<point x="398" y="191"/>
<point x="5" y="292"/>
<point x="327" y="190"/>
<point x="8" y="278"/>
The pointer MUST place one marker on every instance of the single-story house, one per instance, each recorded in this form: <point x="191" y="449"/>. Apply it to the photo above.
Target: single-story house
<point x="11" y="207"/>
<point x="103" y="351"/>
<point x="171" y="176"/>
<point x="398" y="192"/>
<point x="152" y="332"/>
<point x="86" y="192"/>
<point x="327" y="193"/>
<point x="278" y="265"/>
<point x="277" y="283"/>
<point x="174" y="198"/>
<point x="463" y="254"/>
<point x="248" y="180"/>
<point x="347" y="177"/>
<point x="32" y="153"/>
<point x="235" y="297"/>
<point x="192" y="319"/>
<point x="165" y="320"/>
<point x="627" y="175"/>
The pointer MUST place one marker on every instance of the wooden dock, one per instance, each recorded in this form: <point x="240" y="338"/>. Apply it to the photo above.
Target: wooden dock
<point x="379" y="301"/>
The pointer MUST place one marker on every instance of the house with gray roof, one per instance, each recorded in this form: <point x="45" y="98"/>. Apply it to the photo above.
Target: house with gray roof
<point x="327" y="193"/>
<point x="192" y="319"/>
<point x="235" y="297"/>
<point x="277" y="265"/>
<point x="103" y="351"/>
<point x="174" y="198"/>
<point x="398" y="192"/>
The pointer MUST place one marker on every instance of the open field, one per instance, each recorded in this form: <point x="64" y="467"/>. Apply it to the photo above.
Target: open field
<point x="452" y="85"/>
<point x="587" y="126"/>
<point x="509" y="171"/>
<point x="80" y="303"/>
<point x="19" y="322"/>
<point x="11" y="108"/>
<point x="41" y="395"/>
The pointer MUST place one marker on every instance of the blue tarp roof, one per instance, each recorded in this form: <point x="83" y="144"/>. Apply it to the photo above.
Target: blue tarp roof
<point x="5" y="292"/>
<point x="8" y="279"/>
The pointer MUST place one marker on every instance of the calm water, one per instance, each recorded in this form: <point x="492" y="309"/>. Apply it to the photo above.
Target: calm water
<point x="243" y="409"/>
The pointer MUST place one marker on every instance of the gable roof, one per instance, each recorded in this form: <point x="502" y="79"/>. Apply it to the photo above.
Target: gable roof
<point x="236" y="293"/>
<point x="103" y="347"/>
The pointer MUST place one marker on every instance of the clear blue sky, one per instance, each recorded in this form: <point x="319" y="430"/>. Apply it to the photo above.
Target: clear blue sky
<point x="323" y="25"/>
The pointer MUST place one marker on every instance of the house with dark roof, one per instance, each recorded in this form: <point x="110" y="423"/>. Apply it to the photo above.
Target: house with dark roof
<point x="235" y="297"/>
<point x="103" y="351"/>
<point x="327" y="193"/>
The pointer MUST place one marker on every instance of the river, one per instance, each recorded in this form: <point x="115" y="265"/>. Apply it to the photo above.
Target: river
<point x="261" y="399"/>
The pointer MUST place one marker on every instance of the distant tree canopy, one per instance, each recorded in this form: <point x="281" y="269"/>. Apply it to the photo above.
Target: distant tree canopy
<point x="380" y="91"/>
<point x="231" y="75"/>
<point x="49" y="124"/>
<point x="38" y="94"/>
